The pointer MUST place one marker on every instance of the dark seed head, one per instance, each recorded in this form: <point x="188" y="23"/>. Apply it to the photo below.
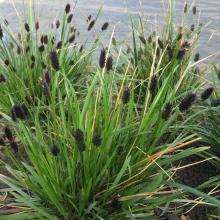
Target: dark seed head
<point x="109" y="63"/>
<point x="92" y="23"/>
<point x="57" y="24"/>
<point x="81" y="48"/>
<point x="41" y="48"/>
<point x="192" y="28"/>
<point x="54" y="60"/>
<point x="72" y="38"/>
<point x="105" y="26"/>
<point x="89" y="18"/>
<point x="52" y="40"/>
<point x="6" y="22"/>
<point x="79" y="137"/>
<point x="70" y="17"/>
<point x="67" y="8"/>
<point x="27" y="28"/>
<point x="42" y="39"/>
<point x="181" y="53"/>
<point x="170" y="52"/>
<point x="126" y="95"/>
<point x="194" y="10"/>
<point x="196" y="58"/>
<point x="19" y="112"/>
<point x="149" y="39"/>
<point x="167" y="111"/>
<point x="179" y="37"/>
<point x="187" y="102"/>
<point x="160" y="43"/>
<point x="2" y="78"/>
<point x="6" y="62"/>
<point x="115" y="204"/>
<point x="185" y="8"/>
<point x="8" y="133"/>
<point x="1" y="33"/>
<point x="153" y="84"/>
<point x="157" y="52"/>
<point x="97" y="141"/>
<point x="45" y="39"/>
<point x="47" y="77"/>
<point x="55" y="150"/>
<point x="186" y="45"/>
<point x="37" y="25"/>
<point x="59" y="45"/>
<point x="142" y="39"/>
<point x="207" y="93"/>
<point x="14" y="146"/>
<point x="32" y="58"/>
<point x="102" y="58"/>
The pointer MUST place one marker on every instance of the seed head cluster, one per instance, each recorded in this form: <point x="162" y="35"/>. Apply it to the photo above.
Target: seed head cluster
<point x="153" y="84"/>
<point x="109" y="63"/>
<point x="126" y="95"/>
<point x="27" y="27"/>
<point x="97" y="141"/>
<point x="8" y="133"/>
<point x="167" y="111"/>
<point x="207" y="93"/>
<point x="196" y="58"/>
<point x="102" y="58"/>
<point x="115" y="204"/>
<point x="59" y="45"/>
<point x="187" y="102"/>
<point x="55" y="150"/>
<point x="181" y="53"/>
<point x="91" y="24"/>
<point x="14" y="146"/>
<point x="57" y="24"/>
<point x="194" y="10"/>
<point x="19" y="111"/>
<point x="79" y="137"/>
<point x="54" y="60"/>
<point x="37" y="25"/>
<point x="72" y="38"/>
<point x="105" y="26"/>
<point x="47" y="77"/>
<point x="70" y="18"/>
<point x="160" y="43"/>
<point x="41" y="48"/>
<point x="67" y="8"/>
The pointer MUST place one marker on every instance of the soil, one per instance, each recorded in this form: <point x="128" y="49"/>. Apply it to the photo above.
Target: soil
<point x="194" y="176"/>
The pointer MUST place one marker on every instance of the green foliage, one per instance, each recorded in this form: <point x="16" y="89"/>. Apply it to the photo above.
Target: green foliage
<point x="97" y="142"/>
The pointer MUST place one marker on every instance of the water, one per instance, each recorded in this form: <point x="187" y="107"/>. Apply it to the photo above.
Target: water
<point x="118" y="12"/>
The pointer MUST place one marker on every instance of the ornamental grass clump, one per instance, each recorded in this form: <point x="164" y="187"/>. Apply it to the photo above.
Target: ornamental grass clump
<point x="96" y="145"/>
